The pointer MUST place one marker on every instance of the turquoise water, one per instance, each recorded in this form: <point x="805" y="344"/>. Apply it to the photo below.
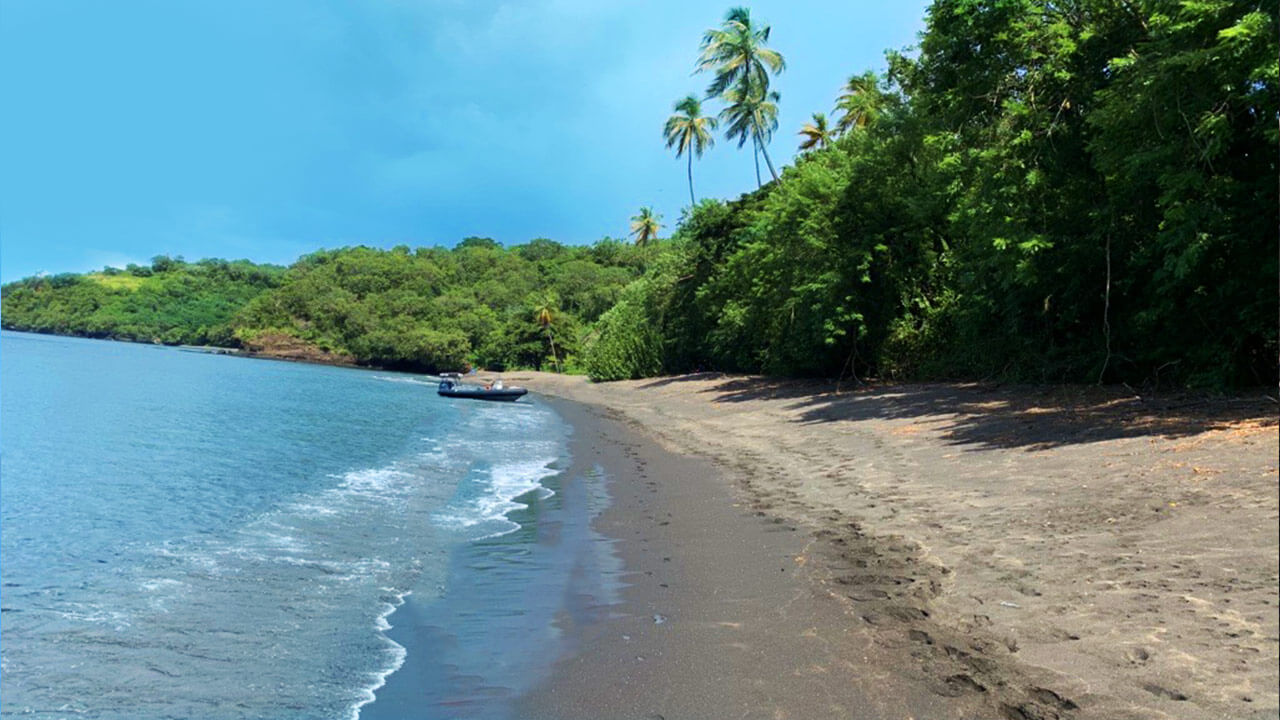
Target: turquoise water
<point x="192" y="535"/>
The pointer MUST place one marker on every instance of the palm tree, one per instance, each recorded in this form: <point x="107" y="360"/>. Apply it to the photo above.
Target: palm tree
<point x="752" y="115"/>
<point x="816" y="134"/>
<point x="644" y="226"/>
<point x="736" y="53"/>
<point x="545" y="308"/>
<point x="689" y="133"/>
<point x="860" y="103"/>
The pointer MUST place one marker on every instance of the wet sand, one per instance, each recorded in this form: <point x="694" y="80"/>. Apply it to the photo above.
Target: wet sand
<point x="478" y="635"/>
<point x="927" y="551"/>
<point x="721" y="616"/>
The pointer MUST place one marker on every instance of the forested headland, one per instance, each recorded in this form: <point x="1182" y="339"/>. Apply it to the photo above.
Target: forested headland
<point x="1079" y="191"/>
<point x="428" y="309"/>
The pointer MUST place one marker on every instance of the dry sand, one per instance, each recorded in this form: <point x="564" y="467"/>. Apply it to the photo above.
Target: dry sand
<point x="1014" y="552"/>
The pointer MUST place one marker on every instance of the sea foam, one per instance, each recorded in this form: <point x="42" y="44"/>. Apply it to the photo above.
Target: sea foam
<point x="395" y="651"/>
<point x="497" y="495"/>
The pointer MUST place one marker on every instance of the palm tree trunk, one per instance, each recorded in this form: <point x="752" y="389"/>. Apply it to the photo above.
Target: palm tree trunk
<point x="755" y="152"/>
<point x="760" y="144"/>
<point x="1106" y="315"/>
<point x="554" y="357"/>
<point x="692" y="202"/>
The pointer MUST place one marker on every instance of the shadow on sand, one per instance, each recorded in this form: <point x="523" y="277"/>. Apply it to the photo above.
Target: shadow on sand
<point x="1003" y="416"/>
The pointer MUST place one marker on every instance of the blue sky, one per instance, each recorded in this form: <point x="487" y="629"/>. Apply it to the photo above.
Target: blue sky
<point x="242" y="128"/>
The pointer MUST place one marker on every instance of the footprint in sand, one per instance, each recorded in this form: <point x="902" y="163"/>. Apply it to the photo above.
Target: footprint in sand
<point x="1137" y="655"/>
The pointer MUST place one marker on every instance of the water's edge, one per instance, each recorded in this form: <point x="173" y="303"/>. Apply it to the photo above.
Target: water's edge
<point x="506" y="610"/>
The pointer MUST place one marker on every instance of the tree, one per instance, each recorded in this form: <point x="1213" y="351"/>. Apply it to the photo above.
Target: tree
<point x="644" y="226"/>
<point x="479" y="242"/>
<point x="689" y="132"/>
<point x="860" y="103"/>
<point x="816" y="134"/>
<point x="736" y="53"/>
<point x="546" y="307"/>
<point x="751" y="115"/>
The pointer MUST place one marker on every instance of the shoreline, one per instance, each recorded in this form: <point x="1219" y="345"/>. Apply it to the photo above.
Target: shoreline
<point x="236" y="352"/>
<point x="719" y="615"/>
<point x="1254" y="395"/>
<point x="480" y="636"/>
<point x="1010" y="549"/>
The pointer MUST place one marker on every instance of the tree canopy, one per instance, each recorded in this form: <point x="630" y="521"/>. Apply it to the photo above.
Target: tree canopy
<point x="1065" y="191"/>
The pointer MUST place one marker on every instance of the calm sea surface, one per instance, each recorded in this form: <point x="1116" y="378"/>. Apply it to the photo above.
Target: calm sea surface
<point x="190" y="535"/>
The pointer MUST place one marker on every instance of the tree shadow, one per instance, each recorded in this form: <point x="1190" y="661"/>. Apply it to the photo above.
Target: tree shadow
<point x="675" y="379"/>
<point x="984" y="416"/>
<point x="749" y="388"/>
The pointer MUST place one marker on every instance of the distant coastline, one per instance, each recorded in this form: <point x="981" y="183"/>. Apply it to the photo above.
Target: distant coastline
<point x="425" y="310"/>
<point x="309" y="358"/>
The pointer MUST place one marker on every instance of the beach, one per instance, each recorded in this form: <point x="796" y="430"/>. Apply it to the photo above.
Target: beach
<point x="700" y="546"/>
<point x="795" y="549"/>
<point x="720" y="615"/>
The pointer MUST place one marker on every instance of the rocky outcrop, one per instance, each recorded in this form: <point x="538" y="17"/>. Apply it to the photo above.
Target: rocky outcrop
<point x="282" y="346"/>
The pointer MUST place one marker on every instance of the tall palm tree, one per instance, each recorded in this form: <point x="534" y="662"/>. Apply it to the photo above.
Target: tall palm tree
<point x="546" y="307"/>
<point x="860" y="102"/>
<point x="816" y="134"/>
<point x="736" y="53"/>
<point x="752" y="116"/>
<point x="644" y="226"/>
<point x="689" y="132"/>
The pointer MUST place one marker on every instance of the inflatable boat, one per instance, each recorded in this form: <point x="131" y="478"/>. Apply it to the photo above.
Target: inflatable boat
<point x="452" y="386"/>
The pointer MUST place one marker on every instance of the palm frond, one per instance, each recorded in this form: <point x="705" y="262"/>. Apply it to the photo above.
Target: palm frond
<point x="816" y="134"/>
<point x="645" y="226"/>
<point x="736" y="54"/>
<point x="861" y="102"/>
<point x="689" y="130"/>
<point x="772" y="58"/>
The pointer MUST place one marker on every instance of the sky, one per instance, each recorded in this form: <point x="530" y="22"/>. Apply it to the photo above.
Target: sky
<point x="267" y="130"/>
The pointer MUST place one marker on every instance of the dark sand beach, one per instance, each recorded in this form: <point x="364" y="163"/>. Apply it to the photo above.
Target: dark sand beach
<point x="721" y="615"/>
<point x="924" y="551"/>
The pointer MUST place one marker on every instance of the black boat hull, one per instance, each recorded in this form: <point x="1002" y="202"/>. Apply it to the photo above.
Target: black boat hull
<point x="495" y="395"/>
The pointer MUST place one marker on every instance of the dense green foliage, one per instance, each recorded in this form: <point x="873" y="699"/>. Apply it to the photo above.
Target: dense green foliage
<point x="1055" y="191"/>
<point x="424" y="309"/>
<point x="627" y="346"/>
<point x="1076" y="191"/>
<point x="170" y="301"/>
<point x="436" y="309"/>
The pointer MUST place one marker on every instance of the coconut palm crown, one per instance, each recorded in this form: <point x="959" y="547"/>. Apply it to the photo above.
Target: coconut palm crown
<point x="752" y="116"/>
<point x="689" y="132"/>
<point x="860" y="103"/>
<point x="737" y="55"/>
<point x="816" y="134"/>
<point x="736" y="52"/>
<point x="644" y="226"/>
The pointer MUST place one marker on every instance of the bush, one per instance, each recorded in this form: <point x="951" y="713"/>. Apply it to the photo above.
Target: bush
<point x="628" y="345"/>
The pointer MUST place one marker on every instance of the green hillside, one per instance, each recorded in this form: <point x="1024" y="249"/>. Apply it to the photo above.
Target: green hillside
<point x="168" y="302"/>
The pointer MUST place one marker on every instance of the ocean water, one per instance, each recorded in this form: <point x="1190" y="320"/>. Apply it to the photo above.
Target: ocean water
<point x="193" y="535"/>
